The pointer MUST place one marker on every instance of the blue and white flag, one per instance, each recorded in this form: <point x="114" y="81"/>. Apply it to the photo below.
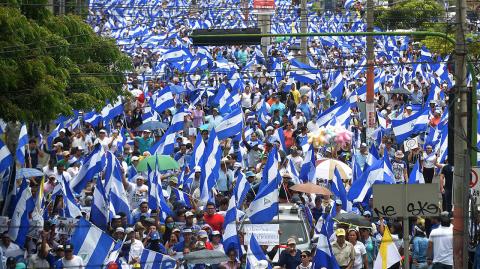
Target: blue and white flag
<point x="55" y="133"/>
<point x="92" y="165"/>
<point x="182" y="197"/>
<point x="230" y="234"/>
<point x="307" y="172"/>
<point x="154" y="260"/>
<point x="270" y="171"/>
<point x="70" y="206"/>
<point x="337" y="188"/>
<point x="100" y="212"/>
<point x="110" y="111"/>
<point x="265" y="205"/>
<point x="91" y="243"/>
<point x="292" y="170"/>
<point x="210" y="166"/>
<point x="6" y="158"/>
<point x="22" y="142"/>
<point x="93" y="118"/>
<point x="255" y="254"/>
<point x="162" y="100"/>
<point x="242" y="187"/>
<point x="324" y="257"/>
<point x="279" y="137"/>
<point x="378" y="173"/>
<point x="114" y="188"/>
<point x="338" y="85"/>
<point x="231" y="125"/>
<point x="166" y="144"/>
<point x="416" y="176"/>
<point x="303" y="72"/>
<point x="263" y="114"/>
<point x="20" y="223"/>
<point x="416" y="123"/>
<point x="197" y="153"/>
<point x="338" y="109"/>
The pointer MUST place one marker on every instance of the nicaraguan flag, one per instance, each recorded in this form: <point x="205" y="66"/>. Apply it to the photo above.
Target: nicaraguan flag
<point x="91" y="244"/>
<point x="20" y="224"/>
<point x="378" y="173"/>
<point x="303" y="72"/>
<point x="166" y="144"/>
<point x="230" y="234"/>
<point x="242" y="187"/>
<point x="307" y="172"/>
<point x="265" y="205"/>
<point x="210" y="166"/>
<point x="183" y="197"/>
<point x="270" y="171"/>
<point x="114" y="187"/>
<point x="92" y="165"/>
<point x="100" y="211"/>
<point x="231" y="125"/>
<point x="416" y="123"/>
<point x="416" y="176"/>
<point x="162" y="100"/>
<point x="154" y="260"/>
<point x="6" y="158"/>
<point x="70" y="206"/>
<point x="22" y="142"/>
<point x="110" y="111"/>
<point x="337" y="187"/>
<point x="324" y="257"/>
<point x="198" y="151"/>
<point x="255" y="254"/>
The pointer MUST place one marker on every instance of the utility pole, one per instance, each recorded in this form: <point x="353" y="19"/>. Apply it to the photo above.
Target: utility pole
<point x="370" y="104"/>
<point x="265" y="26"/>
<point x="303" y="29"/>
<point x="461" y="163"/>
<point x="61" y="7"/>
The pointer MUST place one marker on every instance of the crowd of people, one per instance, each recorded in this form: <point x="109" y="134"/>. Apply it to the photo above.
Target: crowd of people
<point x="280" y="109"/>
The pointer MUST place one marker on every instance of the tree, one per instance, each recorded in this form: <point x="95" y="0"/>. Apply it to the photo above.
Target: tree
<point x="50" y="65"/>
<point x="410" y="14"/>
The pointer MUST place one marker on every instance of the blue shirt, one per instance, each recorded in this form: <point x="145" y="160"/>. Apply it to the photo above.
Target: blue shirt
<point x="289" y="261"/>
<point x="305" y="108"/>
<point x="419" y="252"/>
<point x="280" y="107"/>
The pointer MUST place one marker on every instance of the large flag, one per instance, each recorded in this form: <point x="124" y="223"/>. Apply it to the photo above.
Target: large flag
<point x="20" y="224"/>
<point x="241" y="189"/>
<point x="91" y="244"/>
<point x="255" y="255"/>
<point x="388" y="254"/>
<point x="22" y="142"/>
<point x="100" y="212"/>
<point x="324" y="257"/>
<point x="231" y="125"/>
<point x="162" y="100"/>
<point x="210" y="166"/>
<point x="92" y="165"/>
<point x="265" y="205"/>
<point x="270" y="171"/>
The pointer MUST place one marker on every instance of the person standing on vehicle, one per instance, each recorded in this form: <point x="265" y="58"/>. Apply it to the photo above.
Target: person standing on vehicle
<point x="306" y="260"/>
<point x="290" y="258"/>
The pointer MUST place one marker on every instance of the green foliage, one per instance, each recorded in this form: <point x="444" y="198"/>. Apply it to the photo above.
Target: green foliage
<point x="54" y="64"/>
<point x="410" y="14"/>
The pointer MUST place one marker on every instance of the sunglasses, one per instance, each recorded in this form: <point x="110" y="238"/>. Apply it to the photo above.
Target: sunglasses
<point x="303" y="256"/>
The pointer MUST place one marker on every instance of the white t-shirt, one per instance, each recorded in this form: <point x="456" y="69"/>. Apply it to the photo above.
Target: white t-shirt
<point x="75" y="263"/>
<point x="135" y="194"/>
<point x="359" y="252"/>
<point x="442" y="239"/>
<point x="429" y="160"/>
<point x="104" y="142"/>
<point x="246" y="100"/>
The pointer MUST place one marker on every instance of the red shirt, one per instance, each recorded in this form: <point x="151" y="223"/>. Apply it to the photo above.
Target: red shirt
<point x="215" y="221"/>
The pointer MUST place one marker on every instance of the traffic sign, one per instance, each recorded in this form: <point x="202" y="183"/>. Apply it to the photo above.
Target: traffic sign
<point x="474" y="184"/>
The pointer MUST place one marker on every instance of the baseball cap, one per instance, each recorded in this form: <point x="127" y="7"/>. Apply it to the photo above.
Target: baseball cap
<point x="198" y="169"/>
<point x="291" y="240"/>
<point x="215" y="233"/>
<point x="188" y="214"/>
<point x="147" y="131"/>
<point x="129" y="230"/>
<point x="187" y="230"/>
<point x="120" y="230"/>
<point x="68" y="247"/>
<point x="202" y="234"/>
<point x="62" y="131"/>
<point x="269" y="128"/>
<point x="250" y="174"/>
<point x="340" y="232"/>
<point x="135" y="158"/>
<point x="103" y="131"/>
<point x="367" y="213"/>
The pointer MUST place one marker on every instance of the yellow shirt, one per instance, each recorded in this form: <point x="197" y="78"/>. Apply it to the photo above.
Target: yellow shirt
<point x="296" y="96"/>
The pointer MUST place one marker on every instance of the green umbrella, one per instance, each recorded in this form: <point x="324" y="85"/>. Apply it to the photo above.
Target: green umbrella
<point x="165" y="162"/>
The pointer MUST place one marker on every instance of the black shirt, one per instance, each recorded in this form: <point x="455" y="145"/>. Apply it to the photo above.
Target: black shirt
<point x="447" y="172"/>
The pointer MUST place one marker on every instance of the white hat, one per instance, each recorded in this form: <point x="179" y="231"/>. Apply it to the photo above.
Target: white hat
<point x="298" y="111"/>
<point x="188" y="214"/>
<point x="269" y="128"/>
<point x="215" y="233"/>
<point x="147" y="131"/>
<point x="103" y="131"/>
<point x="409" y="107"/>
<point x="60" y="144"/>
<point x="197" y="169"/>
<point x="135" y="158"/>
<point x="129" y="230"/>
<point x="62" y="131"/>
<point x="120" y="230"/>
<point x="276" y="122"/>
